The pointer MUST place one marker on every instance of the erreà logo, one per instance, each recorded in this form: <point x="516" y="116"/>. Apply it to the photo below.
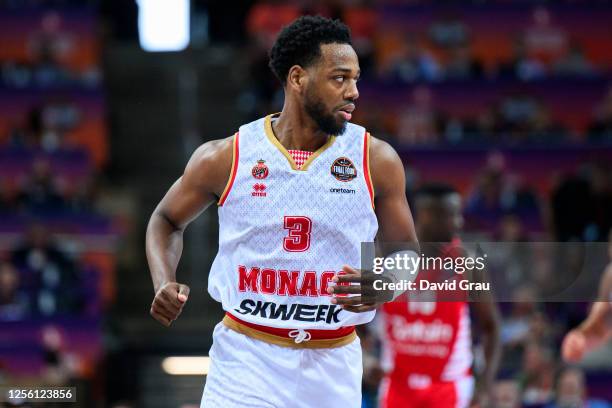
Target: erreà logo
<point x="260" y="170"/>
<point x="259" y="190"/>
<point x="343" y="169"/>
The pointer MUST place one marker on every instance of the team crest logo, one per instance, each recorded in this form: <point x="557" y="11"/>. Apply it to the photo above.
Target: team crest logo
<point x="260" y="170"/>
<point x="343" y="169"/>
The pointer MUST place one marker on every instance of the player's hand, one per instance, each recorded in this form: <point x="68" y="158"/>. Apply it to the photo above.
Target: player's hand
<point x="168" y="302"/>
<point x="574" y="346"/>
<point x="350" y="283"/>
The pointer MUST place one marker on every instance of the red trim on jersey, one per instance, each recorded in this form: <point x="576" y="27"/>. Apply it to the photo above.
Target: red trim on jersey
<point x="233" y="172"/>
<point x="316" y="334"/>
<point x="366" y="165"/>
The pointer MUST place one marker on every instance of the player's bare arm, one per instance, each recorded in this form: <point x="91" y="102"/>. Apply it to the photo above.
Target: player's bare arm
<point x="395" y="223"/>
<point x="202" y="182"/>
<point x="595" y="330"/>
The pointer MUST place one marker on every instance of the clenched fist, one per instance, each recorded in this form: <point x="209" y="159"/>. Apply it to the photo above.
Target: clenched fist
<point x="168" y="302"/>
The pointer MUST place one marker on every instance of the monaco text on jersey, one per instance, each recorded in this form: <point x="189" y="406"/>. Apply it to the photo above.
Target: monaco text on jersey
<point x="283" y="282"/>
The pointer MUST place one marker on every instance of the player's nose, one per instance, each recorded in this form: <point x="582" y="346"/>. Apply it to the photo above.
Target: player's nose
<point x="352" y="93"/>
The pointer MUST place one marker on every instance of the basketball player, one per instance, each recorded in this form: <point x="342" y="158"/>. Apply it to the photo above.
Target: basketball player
<point x="427" y="343"/>
<point x="297" y="193"/>
<point x="596" y="329"/>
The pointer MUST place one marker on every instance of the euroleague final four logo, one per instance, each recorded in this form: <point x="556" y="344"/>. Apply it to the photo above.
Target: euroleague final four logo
<point x="260" y="170"/>
<point x="343" y="169"/>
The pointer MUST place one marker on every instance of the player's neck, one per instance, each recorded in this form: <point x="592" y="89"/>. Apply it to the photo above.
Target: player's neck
<point x="296" y="131"/>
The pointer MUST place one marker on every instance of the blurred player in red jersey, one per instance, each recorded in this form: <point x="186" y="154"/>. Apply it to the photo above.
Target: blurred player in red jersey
<point x="427" y="355"/>
<point x="596" y="329"/>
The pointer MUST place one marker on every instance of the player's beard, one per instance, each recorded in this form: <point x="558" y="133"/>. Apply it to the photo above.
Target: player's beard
<point x="326" y="122"/>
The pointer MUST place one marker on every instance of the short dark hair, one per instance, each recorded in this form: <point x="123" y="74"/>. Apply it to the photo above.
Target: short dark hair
<point x="435" y="190"/>
<point x="300" y="42"/>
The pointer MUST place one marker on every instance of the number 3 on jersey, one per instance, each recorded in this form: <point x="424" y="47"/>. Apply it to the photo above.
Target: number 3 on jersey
<point x="299" y="233"/>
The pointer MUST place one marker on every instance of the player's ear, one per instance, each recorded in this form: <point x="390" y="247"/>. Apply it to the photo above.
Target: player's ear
<point x="297" y="79"/>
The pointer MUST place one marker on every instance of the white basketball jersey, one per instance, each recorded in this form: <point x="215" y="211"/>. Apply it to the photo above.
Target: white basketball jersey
<point x="285" y="232"/>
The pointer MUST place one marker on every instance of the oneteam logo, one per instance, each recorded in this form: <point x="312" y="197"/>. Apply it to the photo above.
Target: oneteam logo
<point x="342" y="190"/>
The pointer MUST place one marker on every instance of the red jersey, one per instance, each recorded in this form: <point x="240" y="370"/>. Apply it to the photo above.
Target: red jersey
<point x="427" y="341"/>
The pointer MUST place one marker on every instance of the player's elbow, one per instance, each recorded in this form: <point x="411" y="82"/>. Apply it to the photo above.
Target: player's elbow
<point x="161" y="220"/>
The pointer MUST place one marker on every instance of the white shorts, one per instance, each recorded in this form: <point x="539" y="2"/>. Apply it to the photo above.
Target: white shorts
<point x="245" y="372"/>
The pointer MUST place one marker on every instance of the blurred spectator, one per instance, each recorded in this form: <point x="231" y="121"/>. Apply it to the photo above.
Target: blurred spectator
<point x="48" y="273"/>
<point x="61" y="366"/>
<point x="418" y="122"/>
<point x="462" y="64"/>
<point x="449" y="31"/>
<point x="571" y="392"/>
<point x="511" y="229"/>
<point x="487" y="125"/>
<point x="14" y="303"/>
<point x="15" y="73"/>
<point x="537" y="374"/>
<point x="515" y="330"/>
<point x="542" y="129"/>
<point x="51" y="121"/>
<point x="517" y="111"/>
<point x="521" y="119"/>
<point x="51" y="42"/>
<point x="455" y="131"/>
<point x="522" y="65"/>
<point x="574" y="63"/>
<point x="506" y="394"/>
<point x="40" y="193"/>
<point x="511" y="264"/>
<point x="46" y="126"/>
<point x="47" y="71"/>
<point x="411" y="62"/>
<point x="543" y="40"/>
<point x="20" y="138"/>
<point x="570" y="208"/>
<point x="581" y="205"/>
<point x="497" y="194"/>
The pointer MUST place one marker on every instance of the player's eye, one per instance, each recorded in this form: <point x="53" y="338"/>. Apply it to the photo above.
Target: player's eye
<point x="339" y="78"/>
